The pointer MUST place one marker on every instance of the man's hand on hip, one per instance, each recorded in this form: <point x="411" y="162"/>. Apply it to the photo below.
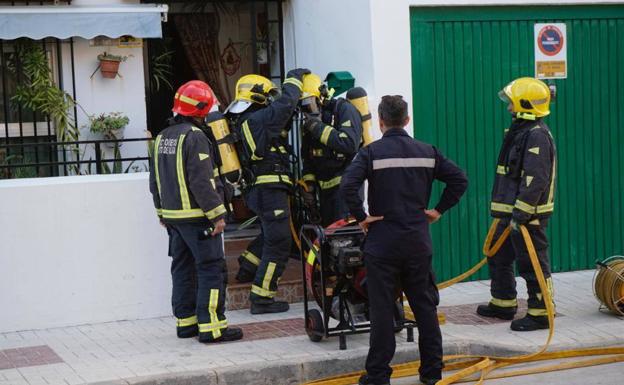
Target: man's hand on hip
<point x="366" y="222"/>
<point x="432" y="215"/>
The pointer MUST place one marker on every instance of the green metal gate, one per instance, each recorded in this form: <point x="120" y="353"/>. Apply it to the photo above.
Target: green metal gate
<point x="461" y="58"/>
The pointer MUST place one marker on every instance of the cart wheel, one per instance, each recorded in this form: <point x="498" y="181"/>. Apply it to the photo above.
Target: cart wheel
<point x="399" y="316"/>
<point x="314" y="325"/>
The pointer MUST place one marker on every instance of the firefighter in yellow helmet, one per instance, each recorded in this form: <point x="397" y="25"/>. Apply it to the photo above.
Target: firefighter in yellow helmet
<point x="262" y="119"/>
<point x="523" y="194"/>
<point x="332" y="135"/>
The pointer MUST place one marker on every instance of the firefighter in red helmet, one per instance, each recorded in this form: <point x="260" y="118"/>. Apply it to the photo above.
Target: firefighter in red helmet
<point x="189" y="203"/>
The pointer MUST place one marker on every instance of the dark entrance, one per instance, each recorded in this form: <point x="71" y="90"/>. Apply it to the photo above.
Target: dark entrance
<point x="216" y="42"/>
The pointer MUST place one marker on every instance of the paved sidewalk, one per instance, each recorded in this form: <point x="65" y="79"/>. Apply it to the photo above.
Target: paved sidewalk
<point x="275" y="349"/>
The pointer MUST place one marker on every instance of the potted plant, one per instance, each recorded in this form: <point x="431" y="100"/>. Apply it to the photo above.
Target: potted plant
<point x="109" y="64"/>
<point x="110" y="126"/>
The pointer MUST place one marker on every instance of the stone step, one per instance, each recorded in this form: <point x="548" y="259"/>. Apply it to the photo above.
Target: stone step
<point x="290" y="288"/>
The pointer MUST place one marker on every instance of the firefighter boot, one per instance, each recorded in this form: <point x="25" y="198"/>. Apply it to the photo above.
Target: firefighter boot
<point x="187" y="331"/>
<point x="245" y="276"/>
<point x="268" y="305"/>
<point x="493" y="311"/>
<point x="530" y="323"/>
<point x="229" y="334"/>
<point x="366" y="380"/>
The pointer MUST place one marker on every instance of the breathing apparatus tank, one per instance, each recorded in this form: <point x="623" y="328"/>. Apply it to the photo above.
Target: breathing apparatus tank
<point x="359" y="98"/>
<point x="229" y="167"/>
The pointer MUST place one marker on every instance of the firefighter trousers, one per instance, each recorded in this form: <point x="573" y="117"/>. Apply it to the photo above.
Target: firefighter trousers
<point x="268" y="254"/>
<point x="503" y="280"/>
<point x="415" y="276"/>
<point x="199" y="275"/>
<point x="333" y="207"/>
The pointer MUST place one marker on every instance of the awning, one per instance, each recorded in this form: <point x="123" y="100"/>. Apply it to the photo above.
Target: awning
<point x="64" y="21"/>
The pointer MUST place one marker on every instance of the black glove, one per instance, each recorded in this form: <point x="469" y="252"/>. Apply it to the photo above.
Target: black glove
<point x="298" y="73"/>
<point x="311" y="124"/>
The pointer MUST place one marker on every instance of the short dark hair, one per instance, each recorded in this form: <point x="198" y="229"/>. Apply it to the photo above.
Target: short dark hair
<point x="393" y="110"/>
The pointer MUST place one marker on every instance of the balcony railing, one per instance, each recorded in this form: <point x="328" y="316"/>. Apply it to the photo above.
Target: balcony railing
<point x="85" y="157"/>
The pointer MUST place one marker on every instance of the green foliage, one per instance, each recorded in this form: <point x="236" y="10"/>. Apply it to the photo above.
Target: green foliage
<point x="117" y="164"/>
<point x="38" y="92"/>
<point x="105" y="123"/>
<point x="16" y="172"/>
<point x="162" y="70"/>
<point x="111" y="57"/>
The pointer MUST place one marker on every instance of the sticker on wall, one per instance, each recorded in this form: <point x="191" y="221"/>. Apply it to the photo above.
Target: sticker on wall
<point x="130" y="42"/>
<point x="551" y="60"/>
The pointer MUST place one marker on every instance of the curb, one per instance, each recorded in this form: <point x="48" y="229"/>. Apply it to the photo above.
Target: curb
<point x="293" y="372"/>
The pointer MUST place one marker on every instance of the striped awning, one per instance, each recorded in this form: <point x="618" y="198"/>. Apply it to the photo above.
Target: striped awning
<point x="65" y="21"/>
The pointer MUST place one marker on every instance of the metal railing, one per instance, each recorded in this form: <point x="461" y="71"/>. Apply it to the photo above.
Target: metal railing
<point x="69" y="158"/>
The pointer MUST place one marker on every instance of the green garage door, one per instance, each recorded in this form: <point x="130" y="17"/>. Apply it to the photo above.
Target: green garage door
<point x="461" y="58"/>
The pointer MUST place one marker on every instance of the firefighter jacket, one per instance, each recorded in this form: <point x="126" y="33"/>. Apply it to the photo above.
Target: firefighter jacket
<point x="524" y="186"/>
<point x="328" y="149"/>
<point x="400" y="173"/>
<point x="264" y="133"/>
<point x="182" y="175"/>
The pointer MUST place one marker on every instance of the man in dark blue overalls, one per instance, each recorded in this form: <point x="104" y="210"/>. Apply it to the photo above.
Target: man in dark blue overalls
<point x="398" y="251"/>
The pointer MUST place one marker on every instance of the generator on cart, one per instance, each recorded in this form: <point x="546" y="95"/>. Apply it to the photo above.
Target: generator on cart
<point x="335" y="276"/>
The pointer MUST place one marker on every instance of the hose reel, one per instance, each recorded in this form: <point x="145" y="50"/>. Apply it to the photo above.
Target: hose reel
<point x="609" y="284"/>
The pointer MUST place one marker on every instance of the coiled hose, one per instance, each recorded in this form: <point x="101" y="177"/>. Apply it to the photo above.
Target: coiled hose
<point x="609" y="284"/>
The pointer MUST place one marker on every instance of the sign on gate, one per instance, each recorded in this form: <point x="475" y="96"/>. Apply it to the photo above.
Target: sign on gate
<point x="551" y="60"/>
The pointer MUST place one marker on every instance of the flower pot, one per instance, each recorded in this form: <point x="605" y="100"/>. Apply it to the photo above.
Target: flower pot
<point x="109" y="68"/>
<point x="113" y="135"/>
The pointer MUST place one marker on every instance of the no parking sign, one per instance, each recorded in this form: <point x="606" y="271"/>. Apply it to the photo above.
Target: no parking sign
<point x="550" y="51"/>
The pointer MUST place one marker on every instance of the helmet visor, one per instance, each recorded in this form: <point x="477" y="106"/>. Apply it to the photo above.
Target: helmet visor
<point x="502" y="95"/>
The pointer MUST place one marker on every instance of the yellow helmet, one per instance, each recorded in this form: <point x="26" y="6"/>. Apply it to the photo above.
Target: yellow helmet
<point x="311" y="86"/>
<point x="252" y="89"/>
<point x="527" y="96"/>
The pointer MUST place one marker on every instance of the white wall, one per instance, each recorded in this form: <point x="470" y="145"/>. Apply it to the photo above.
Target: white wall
<point x="369" y="38"/>
<point x="99" y="95"/>
<point x="77" y="250"/>
<point x="123" y="94"/>
<point x="320" y="36"/>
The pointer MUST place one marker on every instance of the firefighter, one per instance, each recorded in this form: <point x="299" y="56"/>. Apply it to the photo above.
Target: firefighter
<point x="398" y="252"/>
<point x="332" y="135"/>
<point x="189" y="204"/>
<point x="523" y="194"/>
<point x="264" y="126"/>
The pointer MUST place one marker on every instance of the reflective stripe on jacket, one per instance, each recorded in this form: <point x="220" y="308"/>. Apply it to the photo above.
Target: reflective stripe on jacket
<point x="525" y="182"/>
<point x="328" y="150"/>
<point x="264" y="134"/>
<point x="182" y="179"/>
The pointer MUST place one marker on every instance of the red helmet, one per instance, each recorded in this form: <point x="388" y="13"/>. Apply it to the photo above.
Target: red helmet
<point x="194" y="98"/>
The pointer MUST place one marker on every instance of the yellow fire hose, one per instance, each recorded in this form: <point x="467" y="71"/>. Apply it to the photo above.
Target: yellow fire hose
<point x="475" y="368"/>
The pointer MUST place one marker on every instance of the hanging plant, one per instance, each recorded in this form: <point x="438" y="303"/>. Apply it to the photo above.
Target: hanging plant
<point x="109" y="64"/>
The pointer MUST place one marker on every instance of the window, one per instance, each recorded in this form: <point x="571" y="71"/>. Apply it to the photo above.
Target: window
<point x="20" y="126"/>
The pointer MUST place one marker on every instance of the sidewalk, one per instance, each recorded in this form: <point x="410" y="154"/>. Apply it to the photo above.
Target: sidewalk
<point x="276" y="350"/>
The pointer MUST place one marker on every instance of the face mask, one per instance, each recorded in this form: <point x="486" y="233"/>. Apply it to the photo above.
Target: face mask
<point x="309" y="105"/>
